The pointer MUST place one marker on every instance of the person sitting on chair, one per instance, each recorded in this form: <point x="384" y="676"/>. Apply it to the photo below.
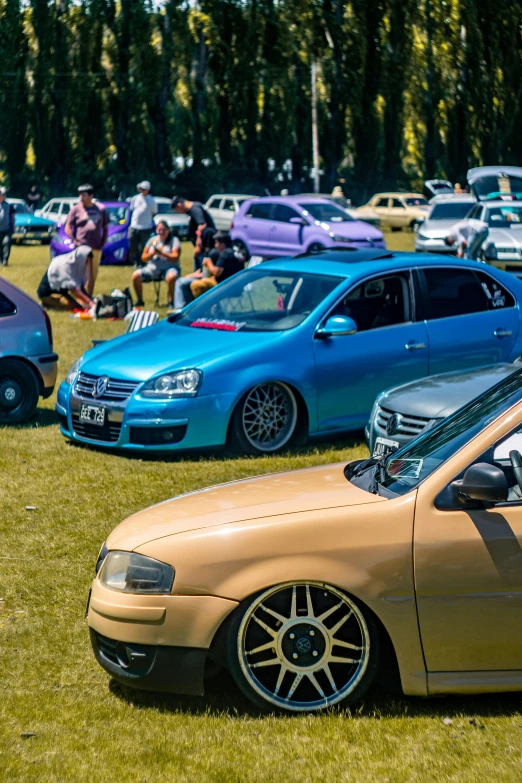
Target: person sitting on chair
<point x="161" y="257"/>
<point x="63" y="286"/>
<point x="224" y="266"/>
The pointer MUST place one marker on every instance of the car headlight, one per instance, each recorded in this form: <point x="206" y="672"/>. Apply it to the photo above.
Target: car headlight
<point x="119" y="237"/>
<point x="176" y="384"/>
<point x="133" y="573"/>
<point x="73" y="370"/>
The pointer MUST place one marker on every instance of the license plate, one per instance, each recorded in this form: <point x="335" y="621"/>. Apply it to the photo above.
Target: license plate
<point x="94" y="414"/>
<point x="384" y="446"/>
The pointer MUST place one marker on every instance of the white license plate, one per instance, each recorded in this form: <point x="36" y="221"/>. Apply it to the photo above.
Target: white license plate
<point x="94" y="414"/>
<point x="384" y="446"/>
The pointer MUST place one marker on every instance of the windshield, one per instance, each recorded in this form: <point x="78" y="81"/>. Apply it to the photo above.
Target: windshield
<point x="164" y="209"/>
<point x="20" y="209"/>
<point x="504" y="217"/>
<point x="117" y="215"/>
<point x="326" y="213"/>
<point x="450" y="210"/>
<point x="416" y="202"/>
<point x="259" y="301"/>
<point x="407" y="467"/>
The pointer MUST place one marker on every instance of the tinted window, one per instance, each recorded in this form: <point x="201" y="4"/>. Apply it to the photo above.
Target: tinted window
<point x="498" y="296"/>
<point x="214" y="204"/>
<point x="65" y="208"/>
<point x="382" y="301"/>
<point x="326" y="212"/>
<point x="382" y="202"/>
<point x="19" y="209"/>
<point x="259" y="301"/>
<point x="454" y="292"/>
<point x="260" y="211"/>
<point x="450" y="210"/>
<point x="397" y="203"/>
<point x="488" y="186"/>
<point x="6" y="306"/>
<point x="117" y="215"/>
<point x="164" y="208"/>
<point x="282" y="213"/>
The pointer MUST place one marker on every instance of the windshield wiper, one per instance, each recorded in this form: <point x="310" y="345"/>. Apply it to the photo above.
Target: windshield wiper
<point x="378" y="476"/>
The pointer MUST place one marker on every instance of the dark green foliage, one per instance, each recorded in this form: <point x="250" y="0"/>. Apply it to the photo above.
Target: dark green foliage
<point x="217" y="94"/>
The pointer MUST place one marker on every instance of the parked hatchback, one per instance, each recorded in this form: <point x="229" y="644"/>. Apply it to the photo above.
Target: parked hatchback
<point x="28" y="364"/>
<point x="289" y="225"/>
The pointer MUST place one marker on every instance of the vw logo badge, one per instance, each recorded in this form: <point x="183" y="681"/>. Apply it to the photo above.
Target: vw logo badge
<point x="393" y="424"/>
<point x="303" y="645"/>
<point x="100" y="387"/>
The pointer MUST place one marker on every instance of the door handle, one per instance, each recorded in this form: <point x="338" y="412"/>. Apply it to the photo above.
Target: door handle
<point x="413" y="346"/>
<point x="502" y="332"/>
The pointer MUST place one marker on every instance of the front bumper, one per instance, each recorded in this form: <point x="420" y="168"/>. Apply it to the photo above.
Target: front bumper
<point x="43" y="234"/>
<point x="155" y="642"/>
<point x="140" y="424"/>
<point x="433" y="246"/>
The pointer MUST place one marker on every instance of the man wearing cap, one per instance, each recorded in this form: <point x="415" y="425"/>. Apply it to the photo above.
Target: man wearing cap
<point x="199" y="217"/>
<point x="7" y="217"/>
<point x="143" y="208"/>
<point x="87" y="224"/>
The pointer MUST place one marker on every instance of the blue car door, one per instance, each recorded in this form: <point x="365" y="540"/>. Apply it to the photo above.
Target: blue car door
<point x="389" y="348"/>
<point x="472" y="319"/>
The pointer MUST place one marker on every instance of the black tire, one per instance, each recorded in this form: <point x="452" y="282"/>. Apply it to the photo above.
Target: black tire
<point x="271" y="688"/>
<point x="396" y="228"/>
<point x="315" y="247"/>
<point x="246" y="422"/>
<point x="19" y="392"/>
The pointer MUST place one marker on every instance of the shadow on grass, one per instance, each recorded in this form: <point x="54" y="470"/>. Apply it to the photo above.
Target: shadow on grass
<point x="223" y="698"/>
<point x="203" y="454"/>
<point x="44" y="417"/>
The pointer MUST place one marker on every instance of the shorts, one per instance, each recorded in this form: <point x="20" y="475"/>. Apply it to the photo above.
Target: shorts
<point x="152" y="275"/>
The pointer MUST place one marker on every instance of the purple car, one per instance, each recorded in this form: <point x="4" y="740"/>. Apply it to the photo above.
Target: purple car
<point x="116" y="250"/>
<point x="288" y="225"/>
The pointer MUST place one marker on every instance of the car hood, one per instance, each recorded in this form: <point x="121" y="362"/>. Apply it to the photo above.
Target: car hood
<point x="506" y="236"/>
<point x="437" y="229"/>
<point x="277" y="494"/>
<point x="32" y="220"/>
<point x="156" y="349"/>
<point x="352" y="229"/>
<point x="440" y="395"/>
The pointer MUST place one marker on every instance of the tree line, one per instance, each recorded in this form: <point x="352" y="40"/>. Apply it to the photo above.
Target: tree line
<point x="216" y="94"/>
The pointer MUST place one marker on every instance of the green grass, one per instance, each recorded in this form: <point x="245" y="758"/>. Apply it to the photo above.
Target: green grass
<point x="89" y="729"/>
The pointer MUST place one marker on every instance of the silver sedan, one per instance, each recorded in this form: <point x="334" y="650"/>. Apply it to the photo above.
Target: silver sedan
<point x="444" y="213"/>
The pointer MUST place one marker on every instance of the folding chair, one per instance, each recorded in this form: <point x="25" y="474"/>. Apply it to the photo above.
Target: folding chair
<point x="157" y="291"/>
<point x="140" y="320"/>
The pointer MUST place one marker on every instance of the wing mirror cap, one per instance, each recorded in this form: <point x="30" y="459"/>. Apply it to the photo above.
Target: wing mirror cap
<point x="298" y="221"/>
<point x="336" y="326"/>
<point x="483" y="482"/>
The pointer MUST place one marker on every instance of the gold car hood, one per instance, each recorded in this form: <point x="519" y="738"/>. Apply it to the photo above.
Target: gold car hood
<point x="264" y="496"/>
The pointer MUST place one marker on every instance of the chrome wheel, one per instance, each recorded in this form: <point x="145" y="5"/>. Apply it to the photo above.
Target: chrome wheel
<point x="303" y="646"/>
<point x="269" y="416"/>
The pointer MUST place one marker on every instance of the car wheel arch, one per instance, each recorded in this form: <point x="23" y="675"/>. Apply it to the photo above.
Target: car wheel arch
<point x="388" y="675"/>
<point x="29" y="364"/>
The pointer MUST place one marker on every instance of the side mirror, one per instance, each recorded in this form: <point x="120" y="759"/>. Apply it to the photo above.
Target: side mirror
<point x="483" y="482"/>
<point x="297" y="221"/>
<point x="336" y="326"/>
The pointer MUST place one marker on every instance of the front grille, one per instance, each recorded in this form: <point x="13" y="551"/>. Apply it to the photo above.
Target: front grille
<point x="157" y="436"/>
<point x="109" y="433"/>
<point x="513" y="251"/>
<point x="408" y="425"/>
<point x="116" y="390"/>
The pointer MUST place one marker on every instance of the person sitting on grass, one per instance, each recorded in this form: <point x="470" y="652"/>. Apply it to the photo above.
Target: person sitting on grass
<point x="63" y="286"/>
<point x="161" y="257"/>
<point x="204" y="249"/>
<point x="225" y="265"/>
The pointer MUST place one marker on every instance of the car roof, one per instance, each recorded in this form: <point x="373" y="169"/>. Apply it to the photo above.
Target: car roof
<point x="400" y="194"/>
<point x="465" y="197"/>
<point x="293" y="199"/>
<point x="15" y="200"/>
<point x="352" y="263"/>
<point x="232" y="195"/>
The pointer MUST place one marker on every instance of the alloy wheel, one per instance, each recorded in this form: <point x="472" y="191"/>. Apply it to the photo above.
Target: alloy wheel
<point x="269" y="416"/>
<point x="303" y="646"/>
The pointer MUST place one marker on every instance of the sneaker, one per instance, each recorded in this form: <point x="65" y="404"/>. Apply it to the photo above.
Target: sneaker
<point x="139" y="303"/>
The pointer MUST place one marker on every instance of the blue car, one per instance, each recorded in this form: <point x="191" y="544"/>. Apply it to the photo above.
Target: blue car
<point x="116" y="249"/>
<point x="29" y="226"/>
<point x="291" y="349"/>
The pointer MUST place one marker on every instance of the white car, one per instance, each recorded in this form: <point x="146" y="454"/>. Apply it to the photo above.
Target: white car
<point x="57" y="208"/>
<point x="223" y="206"/>
<point x="179" y="223"/>
<point x="445" y="211"/>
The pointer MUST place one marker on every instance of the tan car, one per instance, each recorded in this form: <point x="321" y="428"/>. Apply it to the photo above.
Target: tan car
<point x="310" y="584"/>
<point x="395" y="210"/>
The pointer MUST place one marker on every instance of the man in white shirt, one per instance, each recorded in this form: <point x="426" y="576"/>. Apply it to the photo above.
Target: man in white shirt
<point x="469" y="235"/>
<point x="143" y="208"/>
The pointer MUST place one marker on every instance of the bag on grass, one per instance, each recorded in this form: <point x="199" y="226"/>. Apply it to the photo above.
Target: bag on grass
<point x="114" y="305"/>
